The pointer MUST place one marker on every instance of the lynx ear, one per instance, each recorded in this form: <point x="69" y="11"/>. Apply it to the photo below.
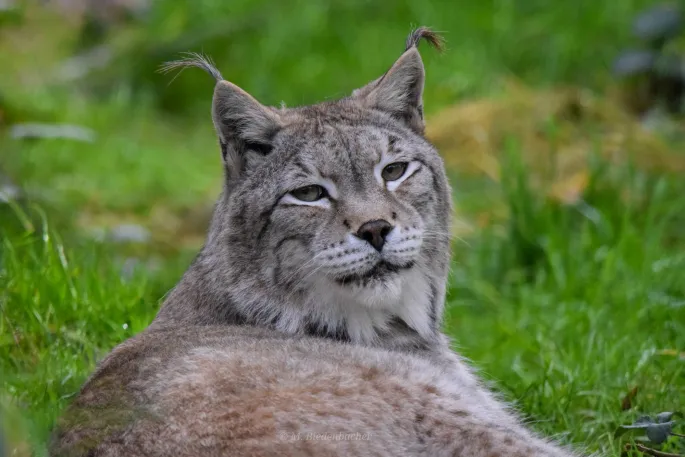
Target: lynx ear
<point x="245" y="127"/>
<point x="399" y="91"/>
<point x="243" y="124"/>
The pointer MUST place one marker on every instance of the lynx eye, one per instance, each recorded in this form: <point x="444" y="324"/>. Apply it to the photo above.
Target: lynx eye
<point x="394" y="171"/>
<point x="309" y="193"/>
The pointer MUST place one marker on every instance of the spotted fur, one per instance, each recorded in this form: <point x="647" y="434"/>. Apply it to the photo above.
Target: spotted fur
<point x="301" y="269"/>
<point x="297" y="331"/>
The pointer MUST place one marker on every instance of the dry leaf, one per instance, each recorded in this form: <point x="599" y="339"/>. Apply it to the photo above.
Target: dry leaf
<point x="627" y="401"/>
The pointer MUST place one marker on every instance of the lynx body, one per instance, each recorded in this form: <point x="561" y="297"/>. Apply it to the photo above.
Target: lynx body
<point x="309" y="324"/>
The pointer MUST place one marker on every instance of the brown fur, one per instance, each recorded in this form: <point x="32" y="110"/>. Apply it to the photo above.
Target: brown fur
<point x="240" y="391"/>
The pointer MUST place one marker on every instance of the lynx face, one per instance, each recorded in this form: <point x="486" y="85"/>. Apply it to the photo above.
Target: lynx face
<point x="350" y="207"/>
<point x="334" y="217"/>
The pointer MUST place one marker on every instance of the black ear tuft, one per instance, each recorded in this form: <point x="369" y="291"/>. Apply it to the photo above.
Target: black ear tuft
<point x="193" y="59"/>
<point x="434" y="38"/>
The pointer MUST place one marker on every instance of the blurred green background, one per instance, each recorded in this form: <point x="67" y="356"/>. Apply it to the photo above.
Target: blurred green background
<point x="568" y="282"/>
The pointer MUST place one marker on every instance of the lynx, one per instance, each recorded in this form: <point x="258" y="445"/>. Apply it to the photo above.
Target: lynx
<point x="309" y="324"/>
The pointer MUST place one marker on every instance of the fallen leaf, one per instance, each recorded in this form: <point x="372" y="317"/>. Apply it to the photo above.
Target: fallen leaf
<point x="570" y="190"/>
<point x="627" y="401"/>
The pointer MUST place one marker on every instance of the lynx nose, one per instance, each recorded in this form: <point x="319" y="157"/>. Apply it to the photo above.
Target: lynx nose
<point x="374" y="232"/>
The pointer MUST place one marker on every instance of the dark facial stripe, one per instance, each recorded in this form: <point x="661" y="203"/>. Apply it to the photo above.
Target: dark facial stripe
<point x="297" y="162"/>
<point x="266" y="217"/>
<point x="392" y="143"/>
<point x="425" y="198"/>
<point x="433" y="173"/>
<point x="434" y="307"/>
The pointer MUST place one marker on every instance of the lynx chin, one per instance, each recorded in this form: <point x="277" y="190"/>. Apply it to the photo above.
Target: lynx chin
<point x="315" y="305"/>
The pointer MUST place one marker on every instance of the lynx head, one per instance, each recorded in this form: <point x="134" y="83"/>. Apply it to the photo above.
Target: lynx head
<point x="334" y="218"/>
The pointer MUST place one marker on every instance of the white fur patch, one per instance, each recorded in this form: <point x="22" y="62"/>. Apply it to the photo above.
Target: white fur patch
<point x="386" y="160"/>
<point x="411" y="169"/>
<point x="364" y="311"/>
<point x="325" y="202"/>
<point x="402" y="245"/>
<point x="290" y="200"/>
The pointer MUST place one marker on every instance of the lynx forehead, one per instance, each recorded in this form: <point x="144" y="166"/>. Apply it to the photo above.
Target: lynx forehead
<point x="334" y="218"/>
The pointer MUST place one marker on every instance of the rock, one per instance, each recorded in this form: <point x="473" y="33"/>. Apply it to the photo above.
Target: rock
<point x="81" y="65"/>
<point x="8" y="190"/>
<point x="109" y="11"/>
<point x="634" y="62"/>
<point x="659" y="23"/>
<point x="129" y="233"/>
<point x="52" y="131"/>
<point x="131" y="265"/>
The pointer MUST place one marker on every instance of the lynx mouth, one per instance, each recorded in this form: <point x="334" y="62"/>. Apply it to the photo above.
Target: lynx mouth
<point x="379" y="272"/>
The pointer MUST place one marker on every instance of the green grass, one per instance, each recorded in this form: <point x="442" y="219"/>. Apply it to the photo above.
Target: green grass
<point x="565" y="308"/>
<point x="568" y="308"/>
<point x="564" y="312"/>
